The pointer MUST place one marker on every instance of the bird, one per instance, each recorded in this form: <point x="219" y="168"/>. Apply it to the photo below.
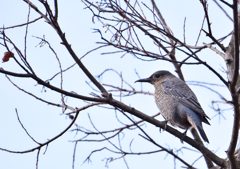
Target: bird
<point x="177" y="102"/>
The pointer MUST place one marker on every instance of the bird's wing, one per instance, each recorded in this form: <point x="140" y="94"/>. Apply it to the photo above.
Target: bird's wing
<point x="181" y="92"/>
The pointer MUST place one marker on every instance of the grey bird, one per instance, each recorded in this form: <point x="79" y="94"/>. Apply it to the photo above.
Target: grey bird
<point x="177" y="102"/>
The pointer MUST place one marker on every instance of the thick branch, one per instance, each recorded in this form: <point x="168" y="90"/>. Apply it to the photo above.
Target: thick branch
<point x="139" y="114"/>
<point x="234" y="93"/>
<point x="226" y="3"/>
<point x="80" y="64"/>
<point x="52" y="20"/>
<point x="236" y="52"/>
<point x="14" y="74"/>
<point x="204" y="150"/>
<point x="46" y="84"/>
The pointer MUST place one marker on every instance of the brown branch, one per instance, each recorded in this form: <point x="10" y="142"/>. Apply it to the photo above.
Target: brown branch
<point x="204" y="150"/>
<point x="124" y="153"/>
<point x="128" y="126"/>
<point x="209" y="33"/>
<point x="215" y="40"/>
<point x="204" y="4"/>
<point x="46" y="143"/>
<point x="223" y="10"/>
<point x="46" y="84"/>
<point x="56" y="9"/>
<point x="38" y="11"/>
<point x="126" y="90"/>
<point x="172" y="53"/>
<point x="236" y="52"/>
<point x="42" y="100"/>
<point x="170" y="152"/>
<point x="55" y="25"/>
<point x="85" y="107"/>
<point x="200" y="30"/>
<point x="15" y="26"/>
<point x="156" y="39"/>
<point x="117" y="103"/>
<point x="43" y="40"/>
<point x="6" y="39"/>
<point x="184" y="26"/>
<point x="25" y="128"/>
<point x="74" y="154"/>
<point x="198" y="139"/>
<point x="74" y="95"/>
<point x="100" y="140"/>
<point x="38" y="153"/>
<point x="226" y="3"/>
<point x="14" y="74"/>
<point x="61" y="72"/>
<point x="233" y="90"/>
<point x="152" y="141"/>
<point x="151" y="120"/>
<point x="26" y="33"/>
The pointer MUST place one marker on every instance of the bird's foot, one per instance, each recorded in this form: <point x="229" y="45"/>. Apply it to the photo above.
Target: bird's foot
<point x="184" y="135"/>
<point x="165" y="124"/>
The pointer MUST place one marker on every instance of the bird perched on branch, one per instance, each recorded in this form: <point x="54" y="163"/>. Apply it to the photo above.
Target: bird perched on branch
<point x="177" y="102"/>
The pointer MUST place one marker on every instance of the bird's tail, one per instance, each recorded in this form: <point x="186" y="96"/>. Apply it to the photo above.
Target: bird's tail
<point x="195" y="120"/>
<point x="203" y="134"/>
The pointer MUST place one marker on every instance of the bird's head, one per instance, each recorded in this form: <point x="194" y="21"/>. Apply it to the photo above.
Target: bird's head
<point x="157" y="77"/>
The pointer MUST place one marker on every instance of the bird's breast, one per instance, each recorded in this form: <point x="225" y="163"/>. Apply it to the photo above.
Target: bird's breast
<point x="166" y="104"/>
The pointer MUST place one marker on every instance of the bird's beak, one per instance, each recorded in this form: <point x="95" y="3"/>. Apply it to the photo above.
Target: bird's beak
<point x="144" y="80"/>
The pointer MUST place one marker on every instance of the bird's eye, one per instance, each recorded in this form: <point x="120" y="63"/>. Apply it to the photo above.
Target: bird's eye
<point x="157" y="75"/>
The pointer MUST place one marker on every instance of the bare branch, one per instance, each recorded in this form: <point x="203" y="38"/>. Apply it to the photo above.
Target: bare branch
<point x="40" y="99"/>
<point x="26" y="33"/>
<point x="223" y="9"/>
<point x="20" y="25"/>
<point x="215" y="40"/>
<point x="56" y="9"/>
<point x="226" y="3"/>
<point x="215" y="50"/>
<point x="204" y="150"/>
<point x="233" y="89"/>
<point x="25" y="128"/>
<point x="200" y="30"/>
<point x="46" y="143"/>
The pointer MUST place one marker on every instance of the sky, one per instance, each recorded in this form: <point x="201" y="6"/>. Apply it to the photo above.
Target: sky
<point x="44" y="121"/>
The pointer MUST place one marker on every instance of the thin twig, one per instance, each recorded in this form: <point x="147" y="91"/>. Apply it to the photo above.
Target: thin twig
<point x="223" y="10"/>
<point x="20" y="25"/>
<point x="47" y="142"/>
<point x="25" y="128"/>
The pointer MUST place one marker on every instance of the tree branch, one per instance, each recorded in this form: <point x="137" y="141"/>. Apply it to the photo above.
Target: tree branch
<point x="233" y="90"/>
<point x="204" y="150"/>
<point x="46" y="143"/>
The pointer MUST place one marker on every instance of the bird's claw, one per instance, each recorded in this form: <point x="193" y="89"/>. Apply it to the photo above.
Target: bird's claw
<point x="165" y="124"/>
<point x="184" y="135"/>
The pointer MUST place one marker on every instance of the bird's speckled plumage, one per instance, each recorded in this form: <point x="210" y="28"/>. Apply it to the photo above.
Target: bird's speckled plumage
<point x="177" y="102"/>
